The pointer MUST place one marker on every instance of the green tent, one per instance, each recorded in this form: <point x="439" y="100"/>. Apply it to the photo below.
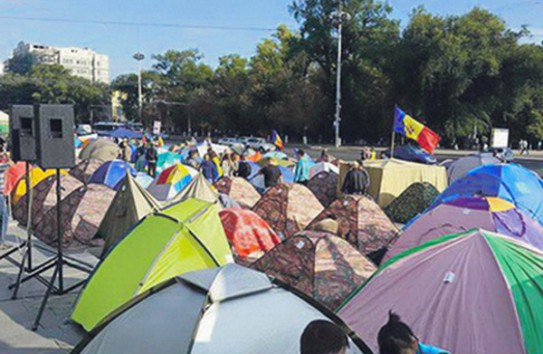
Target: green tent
<point x="131" y="204"/>
<point x="185" y="237"/>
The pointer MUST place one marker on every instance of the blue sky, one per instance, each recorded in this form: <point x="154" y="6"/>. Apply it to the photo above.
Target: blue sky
<point x="120" y="42"/>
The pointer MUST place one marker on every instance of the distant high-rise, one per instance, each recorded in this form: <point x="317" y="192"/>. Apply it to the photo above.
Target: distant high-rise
<point x="82" y="62"/>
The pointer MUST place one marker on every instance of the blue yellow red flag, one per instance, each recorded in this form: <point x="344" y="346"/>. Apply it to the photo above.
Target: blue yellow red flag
<point x="277" y="141"/>
<point x="406" y="125"/>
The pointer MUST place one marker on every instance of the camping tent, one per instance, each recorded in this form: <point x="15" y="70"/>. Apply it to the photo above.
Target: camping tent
<point x="171" y="181"/>
<point x="4" y="123"/>
<point x="44" y="198"/>
<point x="100" y="149"/>
<point x="112" y="173"/>
<point x="319" y="264"/>
<point x="143" y="179"/>
<point x="185" y="237"/>
<point x="475" y="292"/>
<point x="460" y="168"/>
<point x="36" y="175"/>
<point x="324" y="186"/>
<point x="225" y="310"/>
<point x="461" y="214"/>
<point x="511" y="182"/>
<point x="389" y="178"/>
<point x="198" y="188"/>
<point x="288" y="208"/>
<point x="131" y="204"/>
<point x="85" y="169"/>
<point x="166" y="160"/>
<point x="362" y="222"/>
<point x="238" y="189"/>
<point x="413" y="201"/>
<point x="82" y="212"/>
<point x="249" y="236"/>
<point x="13" y="175"/>
<point x="323" y="167"/>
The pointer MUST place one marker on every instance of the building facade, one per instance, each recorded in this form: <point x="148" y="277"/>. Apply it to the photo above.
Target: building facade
<point x="82" y="62"/>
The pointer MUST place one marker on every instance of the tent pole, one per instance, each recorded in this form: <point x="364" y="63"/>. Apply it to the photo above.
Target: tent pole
<point x="392" y="144"/>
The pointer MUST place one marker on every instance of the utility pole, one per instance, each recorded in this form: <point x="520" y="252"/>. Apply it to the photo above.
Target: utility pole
<point x="139" y="57"/>
<point x="339" y="17"/>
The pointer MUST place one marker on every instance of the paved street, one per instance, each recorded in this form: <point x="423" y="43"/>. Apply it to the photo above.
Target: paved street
<point x="56" y="335"/>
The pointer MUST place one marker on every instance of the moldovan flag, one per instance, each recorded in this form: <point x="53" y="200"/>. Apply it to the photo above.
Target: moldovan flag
<point x="406" y="125"/>
<point x="277" y="141"/>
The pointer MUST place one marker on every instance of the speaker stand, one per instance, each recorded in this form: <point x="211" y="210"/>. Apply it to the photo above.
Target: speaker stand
<point x="55" y="285"/>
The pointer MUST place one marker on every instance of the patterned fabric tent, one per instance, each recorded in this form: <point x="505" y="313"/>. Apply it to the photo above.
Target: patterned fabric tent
<point x="36" y="175"/>
<point x="238" y="189"/>
<point x="100" y="149"/>
<point x="82" y="212"/>
<point x="85" y="169"/>
<point x="288" y="208"/>
<point x="249" y="236"/>
<point x="324" y="186"/>
<point x="413" y="201"/>
<point x="319" y="264"/>
<point x="362" y="223"/>
<point x="44" y="197"/>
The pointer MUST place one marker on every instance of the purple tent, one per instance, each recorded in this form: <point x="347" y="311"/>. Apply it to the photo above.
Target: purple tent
<point x="475" y="292"/>
<point x="461" y="214"/>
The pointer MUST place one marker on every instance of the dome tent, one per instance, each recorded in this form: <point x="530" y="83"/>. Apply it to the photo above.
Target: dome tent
<point x="413" y="201"/>
<point x="171" y="181"/>
<point x="462" y="214"/>
<point x="112" y="173"/>
<point x="184" y="237"/>
<point x="510" y="182"/>
<point x="226" y="310"/>
<point x="288" y="208"/>
<point x="238" y="189"/>
<point x="324" y="186"/>
<point x="319" y="264"/>
<point x="475" y="292"/>
<point x="361" y="222"/>
<point x="461" y="167"/>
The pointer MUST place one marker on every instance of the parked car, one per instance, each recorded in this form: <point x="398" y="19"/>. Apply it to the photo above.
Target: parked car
<point x="505" y="154"/>
<point x="260" y="144"/>
<point x="413" y="154"/>
<point x="232" y="143"/>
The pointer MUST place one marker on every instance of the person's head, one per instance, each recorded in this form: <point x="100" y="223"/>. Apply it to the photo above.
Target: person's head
<point x="207" y="157"/>
<point x="395" y="337"/>
<point x="355" y="165"/>
<point x="323" y="337"/>
<point x="193" y="154"/>
<point x="301" y="153"/>
<point x="270" y="161"/>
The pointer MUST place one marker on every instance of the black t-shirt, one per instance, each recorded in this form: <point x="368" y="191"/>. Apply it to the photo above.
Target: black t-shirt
<point x="271" y="175"/>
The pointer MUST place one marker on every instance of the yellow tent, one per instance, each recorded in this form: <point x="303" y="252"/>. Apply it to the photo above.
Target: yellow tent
<point x="389" y="178"/>
<point x="36" y="175"/>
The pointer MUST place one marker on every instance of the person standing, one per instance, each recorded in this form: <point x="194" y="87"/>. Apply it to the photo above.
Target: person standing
<point x="272" y="174"/>
<point x="209" y="169"/>
<point x="192" y="160"/>
<point x="4" y="210"/>
<point x="151" y="156"/>
<point x="356" y="181"/>
<point x="244" y="169"/>
<point x="325" y="157"/>
<point x="301" y="172"/>
<point x="229" y="166"/>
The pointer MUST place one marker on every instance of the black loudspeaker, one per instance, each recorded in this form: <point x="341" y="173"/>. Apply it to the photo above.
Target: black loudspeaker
<point x="23" y="133"/>
<point x="55" y="143"/>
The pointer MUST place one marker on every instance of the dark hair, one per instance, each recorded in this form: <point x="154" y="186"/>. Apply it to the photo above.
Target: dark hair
<point x="322" y="337"/>
<point x="395" y="336"/>
<point x="301" y="152"/>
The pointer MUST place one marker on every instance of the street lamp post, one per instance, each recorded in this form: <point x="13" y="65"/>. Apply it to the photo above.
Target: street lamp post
<point x="339" y="17"/>
<point x="139" y="57"/>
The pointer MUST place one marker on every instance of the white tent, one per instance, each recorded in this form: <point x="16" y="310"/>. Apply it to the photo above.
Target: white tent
<point x="225" y="310"/>
<point x="323" y="167"/>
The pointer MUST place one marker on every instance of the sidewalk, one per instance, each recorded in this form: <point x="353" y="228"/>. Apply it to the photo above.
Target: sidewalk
<point x="56" y="334"/>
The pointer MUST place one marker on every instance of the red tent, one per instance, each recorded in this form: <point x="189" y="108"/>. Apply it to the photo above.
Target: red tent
<point x="249" y="235"/>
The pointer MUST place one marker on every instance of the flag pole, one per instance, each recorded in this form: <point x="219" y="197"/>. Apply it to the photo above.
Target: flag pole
<point x="392" y="144"/>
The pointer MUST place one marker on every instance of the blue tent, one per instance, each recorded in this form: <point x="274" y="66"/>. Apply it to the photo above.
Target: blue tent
<point x="111" y="173"/>
<point x="126" y="134"/>
<point x="413" y="154"/>
<point x="512" y="182"/>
